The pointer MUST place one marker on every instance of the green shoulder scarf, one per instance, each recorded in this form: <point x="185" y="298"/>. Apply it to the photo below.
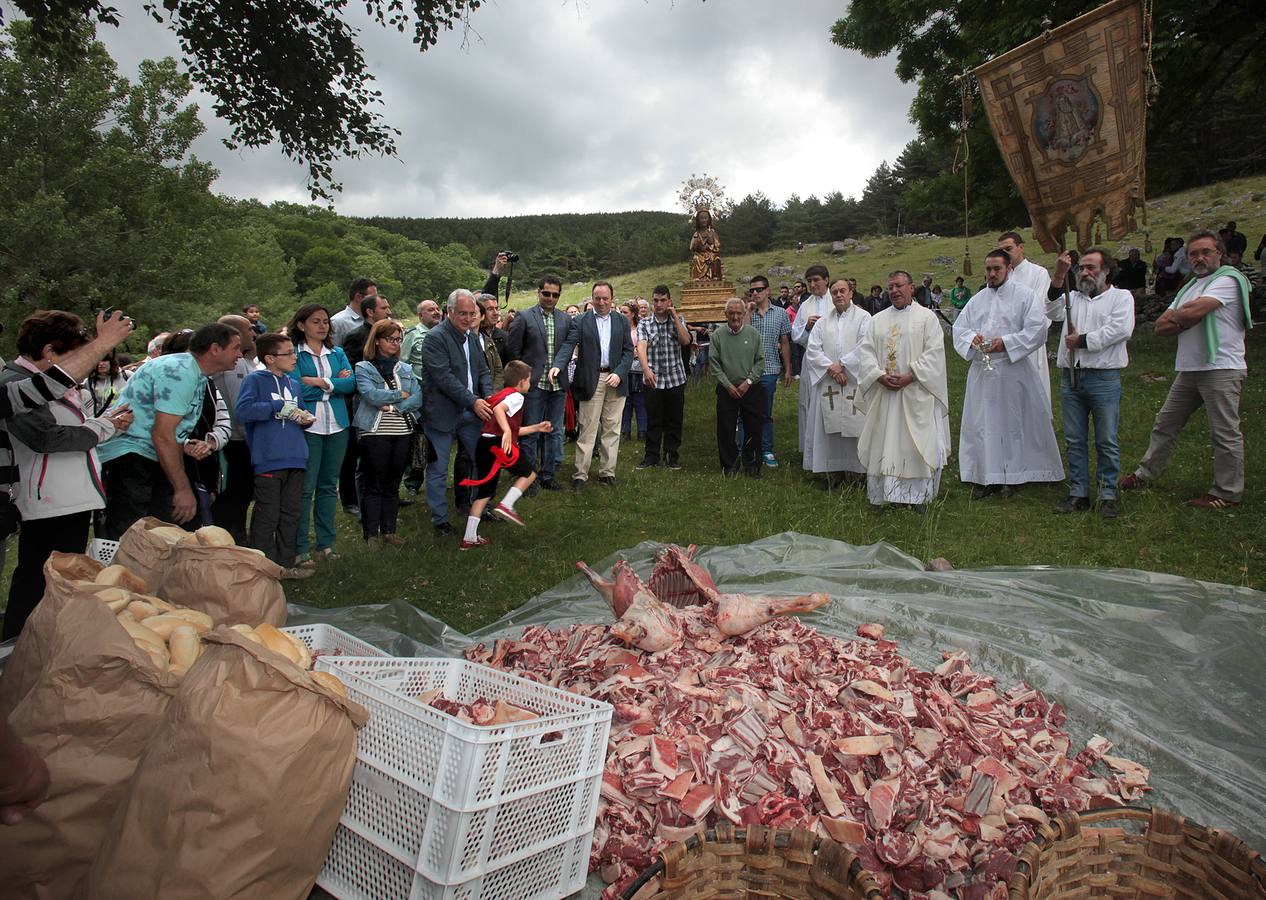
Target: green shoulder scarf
<point x="1209" y="322"/>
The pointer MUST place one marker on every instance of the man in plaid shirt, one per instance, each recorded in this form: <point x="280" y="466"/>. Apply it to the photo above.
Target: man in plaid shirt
<point x="660" y="338"/>
<point x="774" y="327"/>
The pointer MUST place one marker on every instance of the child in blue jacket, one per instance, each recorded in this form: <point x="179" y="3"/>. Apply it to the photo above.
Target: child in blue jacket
<point x="268" y="408"/>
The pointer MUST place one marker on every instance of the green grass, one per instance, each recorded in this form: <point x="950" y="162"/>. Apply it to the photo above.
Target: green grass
<point x="1155" y="531"/>
<point x="1176" y="214"/>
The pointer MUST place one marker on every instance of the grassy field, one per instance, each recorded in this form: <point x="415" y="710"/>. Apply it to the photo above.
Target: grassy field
<point x="1174" y="215"/>
<point x="1155" y="531"/>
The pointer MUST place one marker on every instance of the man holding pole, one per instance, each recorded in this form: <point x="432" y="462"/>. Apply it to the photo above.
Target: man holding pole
<point x="1097" y="323"/>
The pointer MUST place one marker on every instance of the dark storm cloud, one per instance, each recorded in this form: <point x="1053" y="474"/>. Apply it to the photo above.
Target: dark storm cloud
<point x="568" y="107"/>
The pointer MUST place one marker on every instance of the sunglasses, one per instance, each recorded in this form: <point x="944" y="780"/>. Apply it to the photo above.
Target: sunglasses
<point x="550" y="293"/>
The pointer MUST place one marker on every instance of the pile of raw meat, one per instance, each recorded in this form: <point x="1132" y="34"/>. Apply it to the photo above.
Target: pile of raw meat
<point x="725" y="706"/>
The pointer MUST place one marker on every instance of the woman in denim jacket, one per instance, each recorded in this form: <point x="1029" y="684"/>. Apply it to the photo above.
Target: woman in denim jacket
<point x="328" y="381"/>
<point x="384" y="421"/>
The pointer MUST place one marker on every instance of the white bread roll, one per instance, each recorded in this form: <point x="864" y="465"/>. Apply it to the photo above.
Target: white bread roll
<point x="330" y="682"/>
<point x="277" y="641"/>
<point x="140" y="610"/>
<point x="214" y="536"/>
<point x="185" y="647"/>
<point x="198" y="619"/>
<point x="118" y="576"/>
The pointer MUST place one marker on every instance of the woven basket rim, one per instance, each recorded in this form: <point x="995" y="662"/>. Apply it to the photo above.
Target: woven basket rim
<point x="782" y="838"/>
<point x="1049" y="834"/>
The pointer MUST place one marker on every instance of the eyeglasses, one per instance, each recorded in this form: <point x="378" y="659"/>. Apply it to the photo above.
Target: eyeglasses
<point x="287" y="353"/>
<point x="554" y="294"/>
<point x="394" y="339"/>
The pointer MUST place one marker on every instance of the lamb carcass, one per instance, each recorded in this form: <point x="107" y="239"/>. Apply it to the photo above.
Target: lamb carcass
<point x="620" y="590"/>
<point x="738" y="613"/>
<point x="680" y="581"/>
<point x="648" y="624"/>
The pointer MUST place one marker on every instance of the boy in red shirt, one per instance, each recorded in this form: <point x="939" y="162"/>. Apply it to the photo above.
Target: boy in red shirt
<point x="502" y="431"/>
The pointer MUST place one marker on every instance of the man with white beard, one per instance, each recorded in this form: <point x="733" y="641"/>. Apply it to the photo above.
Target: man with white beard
<point x="1100" y="321"/>
<point x="899" y="370"/>
<point x="1006" y="438"/>
<point x="815" y="305"/>
<point x="834" y="422"/>
<point x="1038" y="280"/>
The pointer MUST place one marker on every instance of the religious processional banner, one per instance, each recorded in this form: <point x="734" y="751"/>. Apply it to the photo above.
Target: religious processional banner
<point x="1067" y="110"/>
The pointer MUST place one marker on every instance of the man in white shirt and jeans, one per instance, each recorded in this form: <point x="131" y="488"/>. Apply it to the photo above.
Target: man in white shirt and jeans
<point x="1092" y="344"/>
<point x="1210" y="316"/>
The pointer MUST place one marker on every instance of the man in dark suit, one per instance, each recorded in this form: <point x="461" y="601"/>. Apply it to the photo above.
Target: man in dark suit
<point x="534" y="337"/>
<point x="454" y="389"/>
<point x="601" y="383"/>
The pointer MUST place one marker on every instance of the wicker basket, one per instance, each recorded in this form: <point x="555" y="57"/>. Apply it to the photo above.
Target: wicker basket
<point x="755" y="862"/>
<point x="1159" y="855"/>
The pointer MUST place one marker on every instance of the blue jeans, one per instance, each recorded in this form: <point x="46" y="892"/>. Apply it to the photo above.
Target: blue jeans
<point x="769" y="383"/>
<point x="467" y="433"/>
<point x="1098" y="395"/>
<point x="636" y="406"/>
<point x="538" y="406"/>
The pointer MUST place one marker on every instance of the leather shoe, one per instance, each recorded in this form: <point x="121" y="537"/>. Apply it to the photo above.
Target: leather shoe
<point x="1008" y="490"/>
<point x="608" y="480"/>
<point x="981" y="491"/>
<point x="444" y="528"/>
<point x="578" y="484"/>
<point x="1073" y="504"/>
<point x="1107" y="509"/>
<point x="549" y="484"/>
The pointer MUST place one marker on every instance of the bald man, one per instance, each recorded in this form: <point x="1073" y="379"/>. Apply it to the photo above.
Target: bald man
<point x="229" y="508"/>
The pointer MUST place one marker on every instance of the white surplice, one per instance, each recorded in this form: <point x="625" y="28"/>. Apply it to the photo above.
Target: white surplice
<point x="1006" y="435"/>
<point x="906" y="440"/>
<point x="1034" y="277"/>
<point x="810" y="306"/>
<point x="834" y="422"/>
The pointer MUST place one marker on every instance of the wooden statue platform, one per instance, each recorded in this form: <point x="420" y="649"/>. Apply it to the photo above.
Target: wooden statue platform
<point x="704" y="301"/>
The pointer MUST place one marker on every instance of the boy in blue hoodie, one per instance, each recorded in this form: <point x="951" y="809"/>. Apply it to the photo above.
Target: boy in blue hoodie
<point x="268" y="408"/>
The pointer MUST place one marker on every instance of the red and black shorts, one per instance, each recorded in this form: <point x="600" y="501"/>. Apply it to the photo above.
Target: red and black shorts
<point x="484" y="461"/>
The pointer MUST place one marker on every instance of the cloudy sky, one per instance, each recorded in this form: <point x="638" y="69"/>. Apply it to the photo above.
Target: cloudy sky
<point x="573" y="106"/>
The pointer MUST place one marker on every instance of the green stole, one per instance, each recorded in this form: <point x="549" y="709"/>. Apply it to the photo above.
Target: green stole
<point x="1209" y="321"/>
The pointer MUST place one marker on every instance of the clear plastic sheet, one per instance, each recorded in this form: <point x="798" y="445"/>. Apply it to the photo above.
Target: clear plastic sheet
<point x="1172" y="671"/>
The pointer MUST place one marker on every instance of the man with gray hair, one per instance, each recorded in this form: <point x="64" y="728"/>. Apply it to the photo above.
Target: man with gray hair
<point x="737" y="361"/>
<point x="1209" y="316"/>
<point x="429" y="315"/>
<point x="455" y="388"/>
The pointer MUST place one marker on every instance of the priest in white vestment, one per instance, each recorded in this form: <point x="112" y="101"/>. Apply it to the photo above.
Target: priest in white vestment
<point x="1006" y="437"/>
<point x="813" y="307"/>
<point x="899" y="370"/>
<point x="1029" y="274"/>
<point x="833" y="420"/>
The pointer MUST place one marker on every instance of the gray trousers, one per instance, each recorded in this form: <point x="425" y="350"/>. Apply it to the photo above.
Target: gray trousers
<point x="275" y="517"/>
<point x="1218" y="391"/>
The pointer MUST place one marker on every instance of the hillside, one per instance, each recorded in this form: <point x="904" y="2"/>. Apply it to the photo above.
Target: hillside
<point x="1176" y="214"/>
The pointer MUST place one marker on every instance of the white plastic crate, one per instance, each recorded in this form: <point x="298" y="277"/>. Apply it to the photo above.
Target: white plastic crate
<point x="463" y="766"/>
<point x="355" y="869"/>
<point x="102" y="550"/>
<point x="451" y="847"/>
<point x="326" y="639"/>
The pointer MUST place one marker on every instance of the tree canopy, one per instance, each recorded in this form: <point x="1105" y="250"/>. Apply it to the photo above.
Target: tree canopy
<point x="285" y="70"/>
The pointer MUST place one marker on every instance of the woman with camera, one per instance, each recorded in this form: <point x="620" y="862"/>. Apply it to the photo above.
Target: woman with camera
<point x="103" y="386"/>
<point x="384" y="421"/>
<point x="59" y="479"/>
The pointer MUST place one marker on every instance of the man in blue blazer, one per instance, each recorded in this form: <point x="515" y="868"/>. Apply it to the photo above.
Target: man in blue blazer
<point x="600" y="385"/>
<point x="454" y="389"/>
<point x="535" y="336"/>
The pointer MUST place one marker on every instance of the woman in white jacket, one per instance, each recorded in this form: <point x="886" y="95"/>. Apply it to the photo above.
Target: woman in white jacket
<point x="59" y="480"/>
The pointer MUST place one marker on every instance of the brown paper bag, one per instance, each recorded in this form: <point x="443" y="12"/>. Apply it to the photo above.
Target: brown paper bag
<point x="240" y="789"/>
<point x="145" y="553"/>
<point x="86" y="699"/>
<point x="232" y="585"/>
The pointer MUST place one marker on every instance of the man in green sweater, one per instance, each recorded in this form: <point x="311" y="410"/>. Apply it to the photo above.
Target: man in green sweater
<point x="737" y="360"/>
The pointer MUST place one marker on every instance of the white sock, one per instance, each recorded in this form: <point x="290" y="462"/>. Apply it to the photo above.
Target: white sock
<point x="472" y="527"/>
<point x="512" y="496"/>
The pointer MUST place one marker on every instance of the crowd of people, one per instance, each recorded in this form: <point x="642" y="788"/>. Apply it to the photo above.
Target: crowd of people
<point x="266" y="432"/>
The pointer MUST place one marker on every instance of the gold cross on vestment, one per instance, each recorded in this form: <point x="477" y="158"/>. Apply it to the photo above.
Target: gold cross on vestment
<point x="830" y="394"/>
